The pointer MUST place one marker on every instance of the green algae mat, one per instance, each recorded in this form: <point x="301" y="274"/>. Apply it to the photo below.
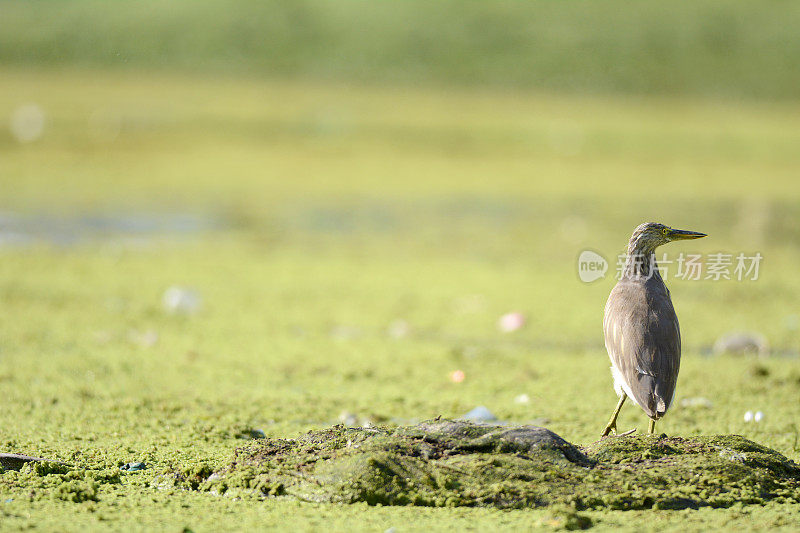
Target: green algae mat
<point x="446" y="463"/>
<point x="352" y="249"/>
<point x="450" y="463"/>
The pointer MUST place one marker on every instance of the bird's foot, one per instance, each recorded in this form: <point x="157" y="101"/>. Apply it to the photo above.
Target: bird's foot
<point x="612" y="432"/>
<point x="611" y="428"/>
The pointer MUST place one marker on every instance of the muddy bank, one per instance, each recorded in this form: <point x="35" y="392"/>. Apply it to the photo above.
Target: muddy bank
<point x="454" y="463"/>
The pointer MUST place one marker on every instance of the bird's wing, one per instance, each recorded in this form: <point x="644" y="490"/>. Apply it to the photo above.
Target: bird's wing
<point x="643" y="340"/>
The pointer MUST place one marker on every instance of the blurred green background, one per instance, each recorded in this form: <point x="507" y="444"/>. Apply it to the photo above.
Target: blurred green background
<point x="733" y="49"/>
<point x="346" y="197"/>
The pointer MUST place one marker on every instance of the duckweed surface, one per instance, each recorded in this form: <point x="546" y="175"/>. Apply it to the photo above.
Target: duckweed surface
<point x="352" y="249"/>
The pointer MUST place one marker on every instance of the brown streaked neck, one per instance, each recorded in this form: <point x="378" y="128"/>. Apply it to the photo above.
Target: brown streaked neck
<point x="640" y="262"/>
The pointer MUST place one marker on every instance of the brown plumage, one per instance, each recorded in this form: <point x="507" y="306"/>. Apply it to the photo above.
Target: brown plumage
<point x="641" y="330"/>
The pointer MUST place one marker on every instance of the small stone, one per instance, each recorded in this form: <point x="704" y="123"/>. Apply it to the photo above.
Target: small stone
<point x="511" y="322"/>
<point x="144" y="339"/>
<point x="758" y="416"/>
<point x="27" y="123"/>
<point x="522" y="399"/>
<point x="181" y="300"/>
<point x="741" y="342"/>
<point x="15" y="461"/>
<point x="133" y="467"/>
<point x="698" y="402"/>
<point x="480" y="414"/>
<point x="748" y="416"/>
<point x="457" y="376"/>
<point x="399" y="329"/>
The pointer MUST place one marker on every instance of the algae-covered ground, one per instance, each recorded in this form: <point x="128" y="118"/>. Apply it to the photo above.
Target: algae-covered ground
<point x="353" y="249"/>
<point x="445" y="463"/>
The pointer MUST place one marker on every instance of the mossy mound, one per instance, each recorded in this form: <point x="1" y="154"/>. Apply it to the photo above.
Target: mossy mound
<point x="450" y="463"/>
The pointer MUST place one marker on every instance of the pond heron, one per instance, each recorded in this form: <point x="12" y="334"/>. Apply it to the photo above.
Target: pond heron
<point x="641" y="329"/>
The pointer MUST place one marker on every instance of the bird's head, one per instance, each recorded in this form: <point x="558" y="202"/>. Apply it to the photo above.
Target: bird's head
<point x="650" y="235"/>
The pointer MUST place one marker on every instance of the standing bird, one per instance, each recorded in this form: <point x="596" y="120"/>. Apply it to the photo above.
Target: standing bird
<point x="641" y="329"/>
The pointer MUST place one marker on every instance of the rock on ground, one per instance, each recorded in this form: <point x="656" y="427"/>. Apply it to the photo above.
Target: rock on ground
<point x="15" y="461"/>
<point x="741" y="342"/>
<point x="460" y="463"/>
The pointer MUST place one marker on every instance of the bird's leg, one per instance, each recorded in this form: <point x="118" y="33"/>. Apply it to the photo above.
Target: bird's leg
<point x="652" y="428"/>
<point x="612" y="424"/>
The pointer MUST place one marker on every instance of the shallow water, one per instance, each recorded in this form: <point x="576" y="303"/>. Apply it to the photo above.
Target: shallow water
<point x="18" y="229"/>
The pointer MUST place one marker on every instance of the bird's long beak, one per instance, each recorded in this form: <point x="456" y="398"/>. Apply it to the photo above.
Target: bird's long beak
<point x="681" y="234"/>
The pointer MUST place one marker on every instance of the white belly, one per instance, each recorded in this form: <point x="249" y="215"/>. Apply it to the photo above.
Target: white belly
<point x="620" y="385"/>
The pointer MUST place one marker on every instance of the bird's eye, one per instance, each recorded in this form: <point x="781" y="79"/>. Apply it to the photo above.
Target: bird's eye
<point x="665" y="231"/>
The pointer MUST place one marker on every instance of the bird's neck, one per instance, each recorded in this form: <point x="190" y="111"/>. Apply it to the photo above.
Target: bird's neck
<point x="640" y="263"/>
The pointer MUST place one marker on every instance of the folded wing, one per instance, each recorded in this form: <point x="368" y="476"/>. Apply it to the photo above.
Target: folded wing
<point x="643" y="340"/>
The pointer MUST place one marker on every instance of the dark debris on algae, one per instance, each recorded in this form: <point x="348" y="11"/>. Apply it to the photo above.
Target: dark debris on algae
<point x="458" y="463"/>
